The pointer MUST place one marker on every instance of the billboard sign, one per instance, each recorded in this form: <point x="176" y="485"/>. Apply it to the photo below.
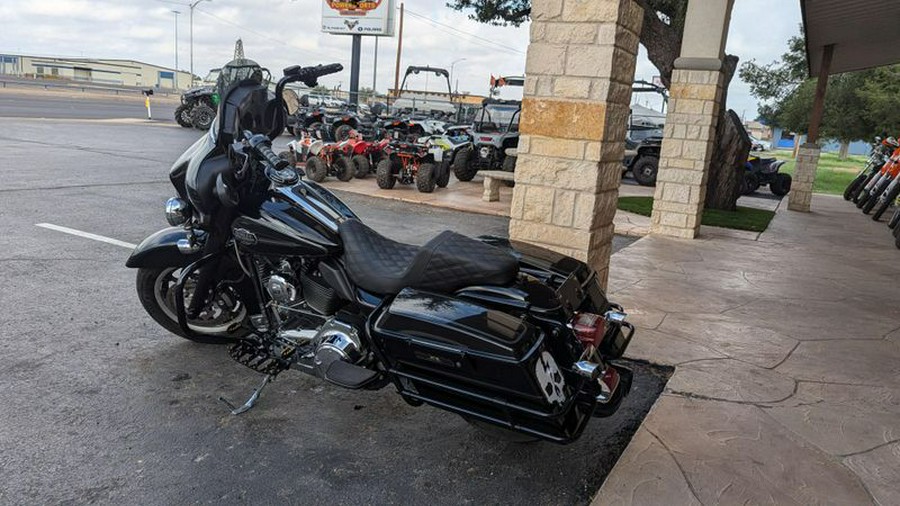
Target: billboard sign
<point x="358" y="17"/>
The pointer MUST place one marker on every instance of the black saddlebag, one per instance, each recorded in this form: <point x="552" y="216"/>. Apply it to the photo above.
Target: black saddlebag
<point x="481" y="363"/>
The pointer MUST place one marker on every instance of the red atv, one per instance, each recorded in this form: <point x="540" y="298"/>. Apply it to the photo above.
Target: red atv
<point x="365" y="154"/>
<point x="406" y="162"/>
<point x="328" y="160"/>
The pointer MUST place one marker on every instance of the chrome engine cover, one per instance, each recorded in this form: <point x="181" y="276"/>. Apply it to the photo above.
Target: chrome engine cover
<point x="341" y="340"/>
<point x="281" y="291"/>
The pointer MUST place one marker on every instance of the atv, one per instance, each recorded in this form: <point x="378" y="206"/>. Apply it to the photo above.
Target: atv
<point x="408" y="163"/>
<point x="328" y="159"/>
<point x="495" y="134"/>
<point x="363" y="154"/>
<point x="764" y="172"/>
<point x="198" y="107"/>
<point x="642" y="159"/>
<point x="455" y="145"/>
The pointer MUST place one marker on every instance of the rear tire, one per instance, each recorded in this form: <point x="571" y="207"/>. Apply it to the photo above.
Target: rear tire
<point x="183" y="115"/>
<point x="425" y="178"/>
<point x="645" y="170"/>
<point x="315" y="169"/>
<point x="871" y="201"/>
<point x="749" y="183"/>
<point x="781" y="185"/>
<point x="342" y="132"/>
<point x="202" y="117"/>
<point x="361" y="166"/>
<point x="444" y="178"/>
<point x="509" y="164"/>
<point x="150" y="281"/>
<point x="384" y="174"/>
<point x="857" y="194"/>
<point x="463" y="168"/>
<point x="343" y="168"/>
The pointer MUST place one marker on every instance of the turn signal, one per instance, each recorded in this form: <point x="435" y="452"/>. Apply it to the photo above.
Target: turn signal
<point x="589" y="328"/>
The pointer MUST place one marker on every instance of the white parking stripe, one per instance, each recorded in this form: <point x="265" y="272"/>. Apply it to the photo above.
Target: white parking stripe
<point x="87" y="235"/>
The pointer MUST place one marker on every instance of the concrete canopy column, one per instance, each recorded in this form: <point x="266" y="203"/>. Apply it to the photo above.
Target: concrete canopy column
<point x="579" y="71"/>
<point x="689" y="134"/>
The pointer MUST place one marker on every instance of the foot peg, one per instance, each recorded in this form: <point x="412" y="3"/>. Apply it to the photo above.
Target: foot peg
<point x="247" y="406"/>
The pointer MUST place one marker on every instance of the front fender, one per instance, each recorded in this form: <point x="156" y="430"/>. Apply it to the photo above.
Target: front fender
<point x="161" y="250"/>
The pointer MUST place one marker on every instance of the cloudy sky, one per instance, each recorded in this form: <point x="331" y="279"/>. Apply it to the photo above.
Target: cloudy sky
<point x="277" y="33"/>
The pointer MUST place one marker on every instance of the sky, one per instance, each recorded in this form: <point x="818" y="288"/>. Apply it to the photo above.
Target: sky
<point x="278" y="33"/>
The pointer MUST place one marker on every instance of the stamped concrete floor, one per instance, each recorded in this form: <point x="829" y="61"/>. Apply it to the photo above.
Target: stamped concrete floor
<point x="787" y="354"/>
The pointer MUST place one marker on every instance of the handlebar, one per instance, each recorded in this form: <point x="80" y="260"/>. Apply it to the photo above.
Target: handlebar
<point x="278" y="170"/>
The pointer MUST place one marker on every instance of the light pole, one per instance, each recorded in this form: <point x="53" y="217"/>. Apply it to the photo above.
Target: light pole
<point x="176" y="13"/>
<point x="192" y="5"/>
<point x="452" y="64"/>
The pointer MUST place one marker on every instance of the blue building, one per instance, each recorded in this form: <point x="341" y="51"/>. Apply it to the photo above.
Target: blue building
<point x="785" y="140"/>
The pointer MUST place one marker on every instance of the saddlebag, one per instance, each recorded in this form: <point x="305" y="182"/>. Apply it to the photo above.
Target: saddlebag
<point x="481" y="363"/>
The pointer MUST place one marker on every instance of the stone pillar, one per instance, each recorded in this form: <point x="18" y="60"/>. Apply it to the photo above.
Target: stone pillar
<point x="579" y="72"/>
<point x="695" y="101"/>
<point x="804" y="176"/>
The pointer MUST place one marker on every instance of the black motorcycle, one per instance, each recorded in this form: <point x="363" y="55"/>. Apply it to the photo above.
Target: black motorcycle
<point x="508" y="336"/>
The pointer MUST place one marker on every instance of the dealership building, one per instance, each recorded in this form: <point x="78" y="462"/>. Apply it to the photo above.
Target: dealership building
<point x="98" y="71"/>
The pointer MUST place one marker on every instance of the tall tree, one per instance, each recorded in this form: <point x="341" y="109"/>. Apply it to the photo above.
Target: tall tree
<point x="661" y="34"/>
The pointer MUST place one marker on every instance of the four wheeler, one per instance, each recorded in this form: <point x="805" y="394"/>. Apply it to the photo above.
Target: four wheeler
<point x="407" y="163"/>
<point x="198" y="107"/>
<point x="881" y="151"/>
<point x="642" y="159"/>
<point x="364" y="155"/>
<point x="764" y="172"/>
<point x="455" y="146"/>
<point x="328" y="160"/>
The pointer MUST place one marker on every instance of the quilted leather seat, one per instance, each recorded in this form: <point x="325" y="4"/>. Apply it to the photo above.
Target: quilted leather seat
<point x="446" y="263"/>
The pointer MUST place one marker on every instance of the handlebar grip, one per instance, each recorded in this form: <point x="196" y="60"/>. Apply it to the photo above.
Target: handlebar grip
<point x="271" y="157"/>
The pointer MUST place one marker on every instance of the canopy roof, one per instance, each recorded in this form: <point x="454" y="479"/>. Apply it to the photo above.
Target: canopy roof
<point x="865" y="33"/>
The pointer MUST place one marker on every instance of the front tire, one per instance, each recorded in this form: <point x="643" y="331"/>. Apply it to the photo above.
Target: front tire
<point x="153" y="288"/>
<point x="183" y="115"/>
<point x="852" y="187"/>
<point x="645" y="170"/>
<point x="463" y="168"/>
<point x="203" y="116"/>
<point x="316" y="170"/>
<point x="888" y="202"/>
<point x="342" y="132"/>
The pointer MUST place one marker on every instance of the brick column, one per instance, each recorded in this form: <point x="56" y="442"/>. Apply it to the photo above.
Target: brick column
<point x="804" y="175"/>
<point x="579" y="72"/>
<point x="688" y="142"/>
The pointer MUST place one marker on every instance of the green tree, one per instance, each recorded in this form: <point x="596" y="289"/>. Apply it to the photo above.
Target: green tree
<point x="858" y="105"/>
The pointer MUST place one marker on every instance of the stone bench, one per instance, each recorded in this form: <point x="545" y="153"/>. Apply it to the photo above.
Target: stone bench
<point x="492" y="180"/>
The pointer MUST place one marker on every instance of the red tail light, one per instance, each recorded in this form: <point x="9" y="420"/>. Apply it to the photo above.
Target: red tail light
<point x="589" y="328"/>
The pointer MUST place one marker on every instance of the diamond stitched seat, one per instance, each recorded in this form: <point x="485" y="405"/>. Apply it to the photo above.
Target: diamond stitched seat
<point x="448" y="262"/>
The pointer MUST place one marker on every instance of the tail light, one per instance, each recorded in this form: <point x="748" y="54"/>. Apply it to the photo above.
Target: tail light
<point x="589" y="328"/>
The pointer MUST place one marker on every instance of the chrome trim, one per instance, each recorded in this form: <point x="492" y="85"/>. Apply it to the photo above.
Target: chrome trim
<point x="178" y="211"/>
<point x="587" y="369"/>
<point x="187" y="246"/>
<point x="615" y="316"/>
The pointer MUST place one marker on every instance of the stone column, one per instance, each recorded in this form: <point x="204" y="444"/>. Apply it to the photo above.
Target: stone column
<point x="579" y="72"/>
<point x="804" y="176"/>
<point x="695" y="101"/>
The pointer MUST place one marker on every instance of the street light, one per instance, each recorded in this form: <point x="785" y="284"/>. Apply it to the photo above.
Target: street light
<point x="176" y="13"/>
<point x="192" y="5"/>
<point x="452" y="64"/>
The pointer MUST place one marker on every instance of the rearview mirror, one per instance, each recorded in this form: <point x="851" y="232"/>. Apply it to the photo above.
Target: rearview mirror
<point x="293" y="70"/>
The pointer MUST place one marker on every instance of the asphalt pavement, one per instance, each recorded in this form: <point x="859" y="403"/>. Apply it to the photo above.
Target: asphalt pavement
<point x="68" y="104"/>
<point x="101" y="405"/>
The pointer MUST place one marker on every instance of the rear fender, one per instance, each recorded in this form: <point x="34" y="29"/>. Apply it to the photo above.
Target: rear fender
<point x="161" y="250"/>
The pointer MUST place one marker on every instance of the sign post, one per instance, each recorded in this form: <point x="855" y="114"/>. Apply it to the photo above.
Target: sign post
<point x="358" y="18"/>
<point x="147" y="94"/>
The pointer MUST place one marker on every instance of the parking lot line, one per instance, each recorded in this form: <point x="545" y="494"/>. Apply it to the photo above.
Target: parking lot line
<point x="86" y="235"/>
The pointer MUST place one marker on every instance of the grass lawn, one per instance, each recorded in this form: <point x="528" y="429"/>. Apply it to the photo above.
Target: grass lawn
<point x="833" y="174"/>
<point x="745" y="218"/>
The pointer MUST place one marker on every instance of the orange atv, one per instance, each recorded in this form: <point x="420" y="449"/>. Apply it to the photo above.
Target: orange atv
<point x="328" y="160"/>
<point x="407" y="163"/>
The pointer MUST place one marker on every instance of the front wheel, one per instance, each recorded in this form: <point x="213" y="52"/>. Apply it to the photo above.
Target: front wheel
<point x="316" y="170"/>
<point x="203" y="116"/>
<point x="220" y="322"/>
<point x="342" y="132"/>
<point x="464" y="167"/>
<point x="183" y="115"/>
<point x="645" y="170"/>
<point x="851" y="188"/>
<point x="887" y="202"/>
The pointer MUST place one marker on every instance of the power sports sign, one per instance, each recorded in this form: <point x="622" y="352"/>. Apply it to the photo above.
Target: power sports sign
<point x="358" y="17"/>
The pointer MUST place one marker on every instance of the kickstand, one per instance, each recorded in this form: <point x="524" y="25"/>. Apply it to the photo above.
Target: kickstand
<point x="247" y="406"/>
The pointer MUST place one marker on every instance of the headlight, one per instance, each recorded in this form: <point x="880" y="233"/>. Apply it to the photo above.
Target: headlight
<point x="178" y="212"/>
